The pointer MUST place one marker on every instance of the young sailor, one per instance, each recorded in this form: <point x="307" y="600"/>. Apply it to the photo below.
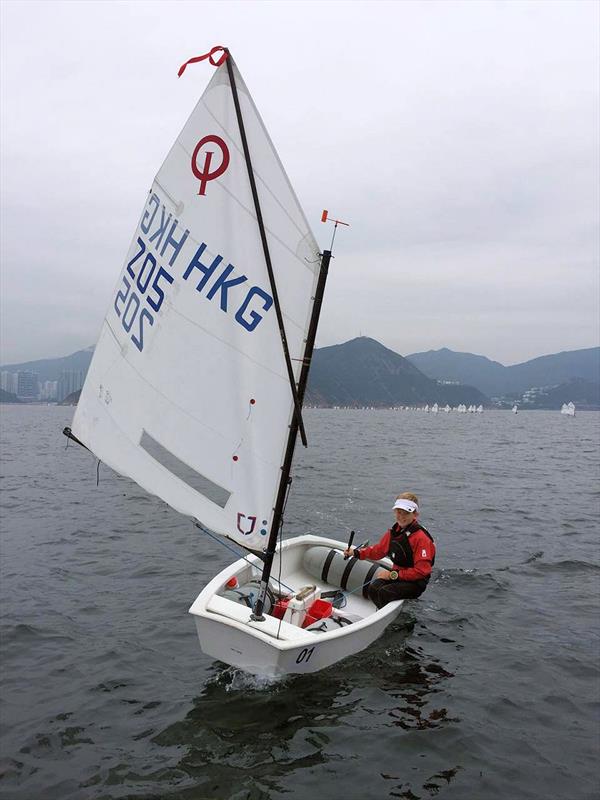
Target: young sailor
<point x="411" y="550"/>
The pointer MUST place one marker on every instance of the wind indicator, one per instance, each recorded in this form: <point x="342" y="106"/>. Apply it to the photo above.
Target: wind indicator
<point x="325" y="218"/>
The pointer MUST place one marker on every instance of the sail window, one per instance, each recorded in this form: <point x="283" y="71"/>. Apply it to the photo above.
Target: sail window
<point x="199" y="483"/>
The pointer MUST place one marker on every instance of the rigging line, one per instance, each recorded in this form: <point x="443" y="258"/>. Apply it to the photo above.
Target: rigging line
<point x="281" y="550"/>
<point x="267" y="255"/>
<point x="219" y="540"/>
<point x="361" y="587"/>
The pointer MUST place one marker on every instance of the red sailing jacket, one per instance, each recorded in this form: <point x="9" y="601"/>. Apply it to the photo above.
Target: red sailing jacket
<point x="423" y="550"/>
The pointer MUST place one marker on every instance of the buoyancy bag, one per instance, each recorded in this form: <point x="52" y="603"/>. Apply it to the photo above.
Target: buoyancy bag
<point x="331" y="567"/>
<point x="247" y="594"/>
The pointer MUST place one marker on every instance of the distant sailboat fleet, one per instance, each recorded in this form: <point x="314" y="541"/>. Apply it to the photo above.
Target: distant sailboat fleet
<point x="436" y="409"/>
<point x="567" y="409"/>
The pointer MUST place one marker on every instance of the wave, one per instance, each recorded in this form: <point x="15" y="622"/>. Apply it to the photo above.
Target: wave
<point x="568" y="566"/>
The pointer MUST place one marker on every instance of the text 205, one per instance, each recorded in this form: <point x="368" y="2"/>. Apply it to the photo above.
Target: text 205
<point x="141" y="292"/>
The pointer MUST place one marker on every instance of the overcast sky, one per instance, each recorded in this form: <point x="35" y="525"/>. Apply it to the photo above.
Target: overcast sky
<point x="459" y="139"/>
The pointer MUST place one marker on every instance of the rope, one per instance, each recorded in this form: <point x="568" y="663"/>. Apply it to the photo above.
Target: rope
<point x="285" y="502"/>
<point x="220" y="540"/>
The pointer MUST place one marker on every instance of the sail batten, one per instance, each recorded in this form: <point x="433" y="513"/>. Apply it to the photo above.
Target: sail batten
<point x="190" y="358"/>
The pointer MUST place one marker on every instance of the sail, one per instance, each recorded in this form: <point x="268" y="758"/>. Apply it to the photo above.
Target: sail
<point x="188" y="392"/>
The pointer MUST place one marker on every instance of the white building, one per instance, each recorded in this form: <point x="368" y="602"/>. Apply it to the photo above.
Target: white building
<point x="8" y="381"/>
<point x="28" y="387"/>
<point x="70" y="381"/>
<point x="49" y="390"/>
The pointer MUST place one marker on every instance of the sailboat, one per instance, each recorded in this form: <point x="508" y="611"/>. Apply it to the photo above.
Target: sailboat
<point x="515" y="409"/>
<point x="568" y="409"/>
<point x="196" y="385"/>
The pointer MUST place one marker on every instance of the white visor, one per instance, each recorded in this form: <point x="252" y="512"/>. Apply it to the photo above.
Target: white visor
<point x="407" y="505"/>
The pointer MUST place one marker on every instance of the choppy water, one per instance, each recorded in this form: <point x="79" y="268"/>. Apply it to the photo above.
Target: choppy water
<point x="487" y="687"/>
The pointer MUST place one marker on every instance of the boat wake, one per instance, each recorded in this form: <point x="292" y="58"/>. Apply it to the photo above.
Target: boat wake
<point x="233" y="679"/>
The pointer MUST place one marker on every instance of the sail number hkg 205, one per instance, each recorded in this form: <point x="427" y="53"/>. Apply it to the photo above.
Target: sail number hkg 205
<point x="145" y="281"/>
<point x="127" y="302"/>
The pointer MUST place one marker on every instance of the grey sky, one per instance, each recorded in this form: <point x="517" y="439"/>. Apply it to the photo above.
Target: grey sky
<point x="459" y="139"/>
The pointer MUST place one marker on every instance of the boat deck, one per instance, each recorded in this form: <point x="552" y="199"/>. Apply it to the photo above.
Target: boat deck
<point x="292" y="583"/>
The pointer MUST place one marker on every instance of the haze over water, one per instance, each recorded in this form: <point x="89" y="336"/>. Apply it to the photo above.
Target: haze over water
<point x="485" y="688"/>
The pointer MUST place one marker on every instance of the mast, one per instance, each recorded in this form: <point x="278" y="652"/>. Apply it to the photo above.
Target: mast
<point x="291" y="442"/>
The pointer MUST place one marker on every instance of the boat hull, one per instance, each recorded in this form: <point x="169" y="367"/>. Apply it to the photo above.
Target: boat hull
<point x="274" y="648"/>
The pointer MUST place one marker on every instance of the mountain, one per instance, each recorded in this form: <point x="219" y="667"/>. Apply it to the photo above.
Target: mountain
<point x="558" y="368"/>
<point x="585" y="394"/>
<point x="465" y="368"/>
<point x="8" y="397"/>
<point x="49" y="369"/>
<point x="362" y="372"/>
<point x="497" y="380"/>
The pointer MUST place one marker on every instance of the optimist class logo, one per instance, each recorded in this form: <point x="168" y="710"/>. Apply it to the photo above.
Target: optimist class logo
<point x="203" y="172"/>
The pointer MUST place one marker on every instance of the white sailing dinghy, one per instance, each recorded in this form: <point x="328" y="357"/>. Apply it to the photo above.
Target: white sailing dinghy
<point x="196" y="385"/>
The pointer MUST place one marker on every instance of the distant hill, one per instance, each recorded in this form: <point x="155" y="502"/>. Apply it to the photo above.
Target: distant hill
<point x="585" y="394"/>
<point x="496" y="380"/>
<point x="362" y="372"/>
<point x="49" y="369"/>
<point x="71" y="399"/>
<point x="558" y="368"/>
<point x="8" y="397"/>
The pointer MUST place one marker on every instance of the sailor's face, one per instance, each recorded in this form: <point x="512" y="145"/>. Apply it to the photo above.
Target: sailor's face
<point x="404" y="518"/>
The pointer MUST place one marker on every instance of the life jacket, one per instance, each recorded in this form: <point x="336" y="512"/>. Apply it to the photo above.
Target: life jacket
<point x="400" y="550"/>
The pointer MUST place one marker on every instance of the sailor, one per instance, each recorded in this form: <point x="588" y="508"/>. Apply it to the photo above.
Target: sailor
<point x="411" y="549"/>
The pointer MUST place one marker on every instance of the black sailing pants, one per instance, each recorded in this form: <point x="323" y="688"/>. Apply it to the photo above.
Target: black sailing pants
<point x="382" y="592"/>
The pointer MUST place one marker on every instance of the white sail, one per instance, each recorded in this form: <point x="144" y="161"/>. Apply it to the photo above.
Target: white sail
<point x="187" y="392"/>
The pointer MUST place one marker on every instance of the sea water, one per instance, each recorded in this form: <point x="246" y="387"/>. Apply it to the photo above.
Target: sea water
<point x="486" y="687"/>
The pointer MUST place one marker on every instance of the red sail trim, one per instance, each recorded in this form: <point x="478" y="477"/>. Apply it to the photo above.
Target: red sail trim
<point x="215" y="62"/>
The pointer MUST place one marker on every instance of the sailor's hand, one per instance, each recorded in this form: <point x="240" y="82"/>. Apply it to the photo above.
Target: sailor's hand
<point x="349" y="551"/>
<point x="383" y="574"/>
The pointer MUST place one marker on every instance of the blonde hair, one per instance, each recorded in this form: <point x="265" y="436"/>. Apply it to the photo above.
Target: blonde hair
<point x="409" y="496"/>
